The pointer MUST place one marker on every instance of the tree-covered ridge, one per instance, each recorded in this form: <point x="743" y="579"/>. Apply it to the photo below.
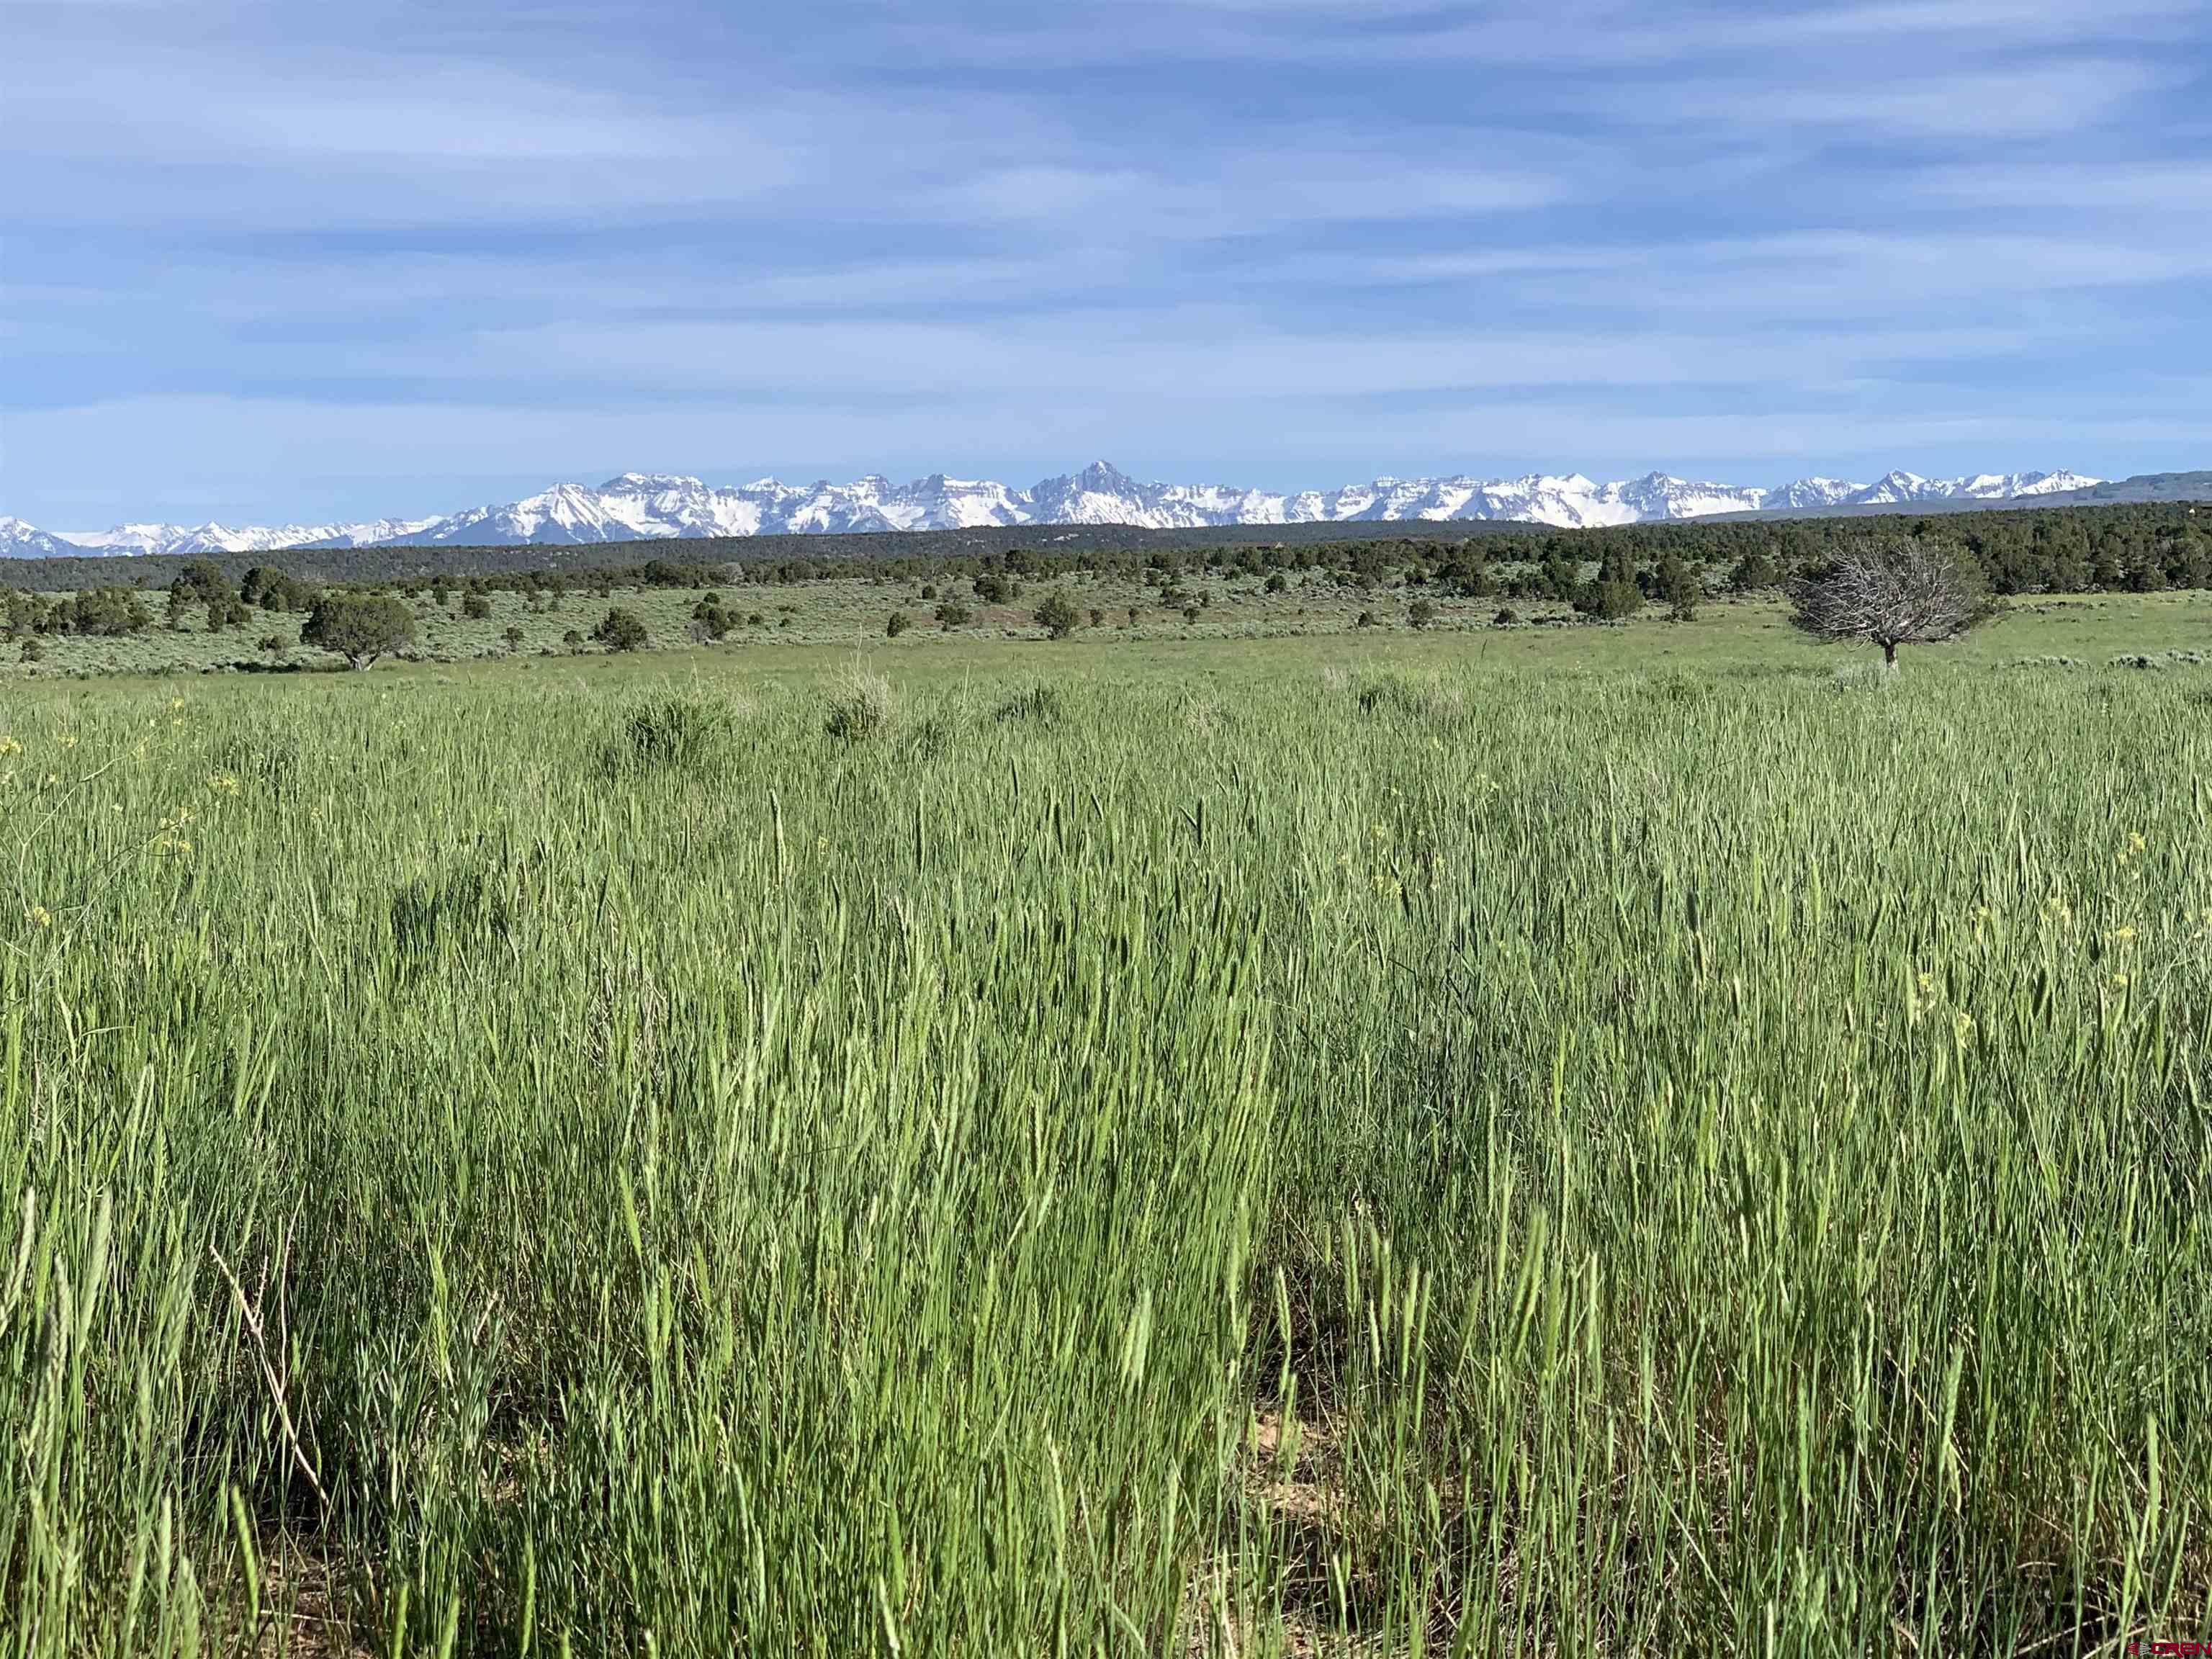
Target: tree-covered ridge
<point x="1602" y="575"/>
<point x="2129" y="545"/>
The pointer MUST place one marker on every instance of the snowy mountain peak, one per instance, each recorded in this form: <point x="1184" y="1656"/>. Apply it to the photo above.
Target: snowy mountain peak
<point x="660" y="505"/>
<point x="19" y="540"/>
<point x="639" y="483"/>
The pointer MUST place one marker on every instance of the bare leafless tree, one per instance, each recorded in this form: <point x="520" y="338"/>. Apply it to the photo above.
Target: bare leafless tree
<point x="1891" y="592"/>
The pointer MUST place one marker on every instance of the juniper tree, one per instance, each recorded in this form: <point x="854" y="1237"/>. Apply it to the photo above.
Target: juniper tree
<point x="359" y="626"/>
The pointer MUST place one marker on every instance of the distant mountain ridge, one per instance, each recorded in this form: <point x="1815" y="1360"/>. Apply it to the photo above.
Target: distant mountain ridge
<point x="656" y="507"/>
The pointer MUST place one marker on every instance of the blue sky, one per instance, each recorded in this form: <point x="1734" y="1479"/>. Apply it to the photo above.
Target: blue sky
<point x="305" y="261"/>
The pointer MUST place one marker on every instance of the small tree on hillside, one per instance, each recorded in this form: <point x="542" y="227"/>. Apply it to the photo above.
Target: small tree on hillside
<point x="1889" y="593"/>
<point x="200" y="582"/>
<point x="1614" y="595"/>
<point x="620" y="630"/>
<point x="1755" y="570"/>
<point x="1056" y="616"/>
<point x="1680" y="586"/>
<point x="359" y="626"/>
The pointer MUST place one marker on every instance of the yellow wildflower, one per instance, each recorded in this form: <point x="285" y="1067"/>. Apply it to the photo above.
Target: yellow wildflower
<point x="69" y="739"/>
<point x="1923" y="998"/>
<point x="1962" y="1025"/>
<point x="9" y="745"/>
<point x="224" y="783"/>
<point x="42" y="917"/>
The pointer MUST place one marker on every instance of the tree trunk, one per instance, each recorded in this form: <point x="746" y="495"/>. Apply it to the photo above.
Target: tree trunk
<point x="1889" y="655"/>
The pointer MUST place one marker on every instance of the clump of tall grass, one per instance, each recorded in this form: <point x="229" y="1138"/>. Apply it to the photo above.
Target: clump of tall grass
<point x="931" y="735"/>
<point x="1402" y="694"/>
<point x="1035" y="705"/>
<point x="1203" y="716"/>
<point x="667" y="731"/>
<point x="1864" y="677"/>
<point x="860" y="706"/>
<point x="468" y="906"/>
<point x="267" y="758"/>
<point x="1678" y="686"/>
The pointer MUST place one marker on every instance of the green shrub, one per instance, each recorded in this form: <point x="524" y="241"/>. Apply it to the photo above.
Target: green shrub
<point x="1057" y="616"/>
<point x="621" y="630"/>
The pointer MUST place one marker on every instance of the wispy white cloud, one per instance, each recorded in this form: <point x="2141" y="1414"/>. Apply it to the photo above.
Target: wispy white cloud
<point x="2158" y="186"/>
<point x="1165" y="353"/>
<point x="1980" y="105"/>
<point x="1619" y="33"/>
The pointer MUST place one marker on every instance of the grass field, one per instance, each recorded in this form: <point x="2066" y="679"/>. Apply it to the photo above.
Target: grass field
<point x="853" y="612"/>
<point x="1615" y="1140"/>
<point x="845" y="610"/>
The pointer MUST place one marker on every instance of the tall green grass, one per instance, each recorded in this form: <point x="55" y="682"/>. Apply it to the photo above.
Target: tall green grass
<point x="1404" y="1163"/>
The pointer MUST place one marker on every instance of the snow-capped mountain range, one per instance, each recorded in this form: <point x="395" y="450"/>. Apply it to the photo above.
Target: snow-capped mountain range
<point x="648" y="507"/>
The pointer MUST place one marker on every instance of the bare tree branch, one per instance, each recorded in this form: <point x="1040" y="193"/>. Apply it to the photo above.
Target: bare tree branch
<point x="249" y="1312"/>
